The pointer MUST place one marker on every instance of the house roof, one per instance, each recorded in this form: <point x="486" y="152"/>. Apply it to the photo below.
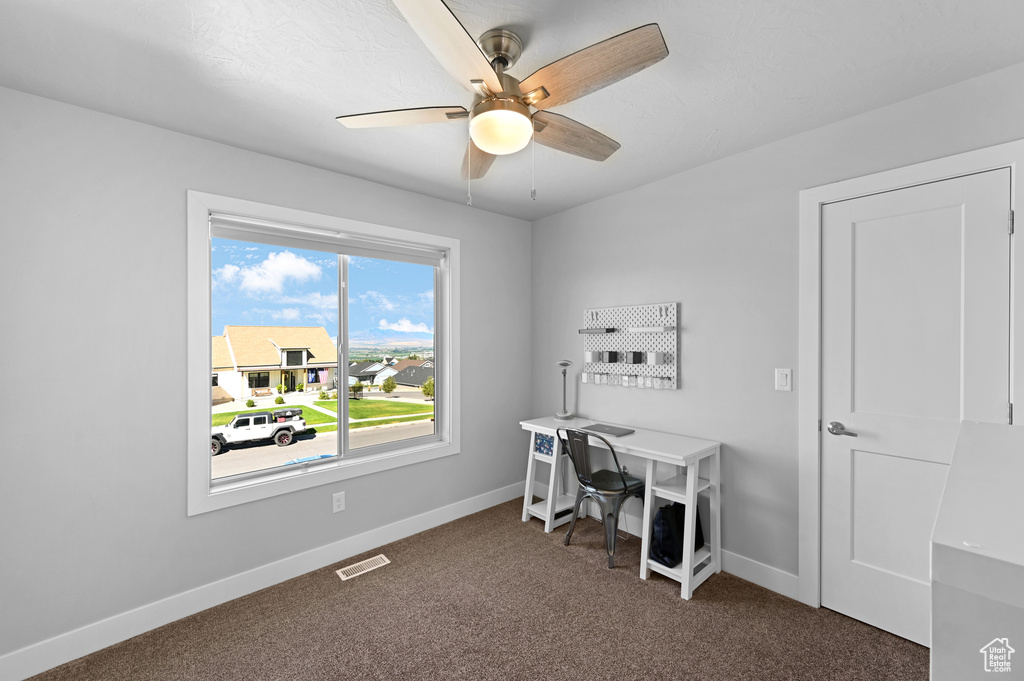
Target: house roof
<point x="415" y="376"/>
<point x="220" y="396"/>
<point x="260" y="346"/>
<point x="398" y="366"/>
<point x="221" y="354"/>
<point x="365" y="368"/>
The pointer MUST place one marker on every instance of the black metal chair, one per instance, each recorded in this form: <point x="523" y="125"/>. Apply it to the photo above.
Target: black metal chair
<point x="608" y="488"/>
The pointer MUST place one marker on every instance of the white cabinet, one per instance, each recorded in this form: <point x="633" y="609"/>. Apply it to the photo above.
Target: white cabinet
<point x="977" y="571"/>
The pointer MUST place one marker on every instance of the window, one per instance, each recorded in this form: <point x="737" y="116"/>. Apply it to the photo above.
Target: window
<point x="242" y="423"/>
<point x="268" y="279"/>
<point x="259" y="420"/>
<point x="390" y="309"/>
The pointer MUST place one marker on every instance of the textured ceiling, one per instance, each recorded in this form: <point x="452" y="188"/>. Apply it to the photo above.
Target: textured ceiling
<point x="271" y="75"/>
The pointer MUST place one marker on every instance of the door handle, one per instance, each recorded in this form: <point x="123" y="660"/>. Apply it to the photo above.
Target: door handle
<point x="837" y="428"/>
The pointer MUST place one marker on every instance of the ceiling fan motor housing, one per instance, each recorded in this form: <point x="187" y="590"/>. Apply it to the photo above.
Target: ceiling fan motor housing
<point x="499" y="43"/>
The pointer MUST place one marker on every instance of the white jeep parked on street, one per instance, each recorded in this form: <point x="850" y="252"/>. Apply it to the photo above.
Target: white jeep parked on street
<point x="281" y="426"/>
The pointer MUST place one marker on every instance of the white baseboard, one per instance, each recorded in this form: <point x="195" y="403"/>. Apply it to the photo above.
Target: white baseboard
<point x="47" y="654"/>
<point x="771" y="578"/>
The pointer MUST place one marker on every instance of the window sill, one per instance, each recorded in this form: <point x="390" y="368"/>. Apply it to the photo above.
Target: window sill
<point x="233" y="492"/>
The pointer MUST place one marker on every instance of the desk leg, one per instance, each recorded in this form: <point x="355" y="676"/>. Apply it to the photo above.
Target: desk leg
<point x="645" y="530"/>
<point x="692" y="473"/>
<point x="554" y="486"/>
<point x="528" y="493"/>
<point x="716" y="510"/>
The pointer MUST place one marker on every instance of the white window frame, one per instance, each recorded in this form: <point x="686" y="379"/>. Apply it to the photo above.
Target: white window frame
<point x="361" y="238"/>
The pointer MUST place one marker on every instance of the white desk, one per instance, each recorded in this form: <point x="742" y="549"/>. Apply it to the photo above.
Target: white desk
<point x="673" y="474"/>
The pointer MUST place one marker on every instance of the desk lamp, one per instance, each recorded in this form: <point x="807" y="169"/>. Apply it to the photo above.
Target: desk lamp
<point x="565" y="414"/>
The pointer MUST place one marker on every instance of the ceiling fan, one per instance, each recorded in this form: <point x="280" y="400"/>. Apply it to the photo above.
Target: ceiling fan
<point x="500" y="119"/>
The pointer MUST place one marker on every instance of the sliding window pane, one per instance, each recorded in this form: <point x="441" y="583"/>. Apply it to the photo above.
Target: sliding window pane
<point x="391" y="323"/>
<point x="275" y="311"/>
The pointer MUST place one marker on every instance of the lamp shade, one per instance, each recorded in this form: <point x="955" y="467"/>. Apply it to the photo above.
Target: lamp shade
<point x="500" y="126"/>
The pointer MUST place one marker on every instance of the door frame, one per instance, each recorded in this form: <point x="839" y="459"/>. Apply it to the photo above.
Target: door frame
<point x="809" y="364"/>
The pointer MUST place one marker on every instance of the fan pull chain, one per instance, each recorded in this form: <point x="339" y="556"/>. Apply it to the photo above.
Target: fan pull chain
<point x="533" y="166"/>
<point x="469" y="171"/>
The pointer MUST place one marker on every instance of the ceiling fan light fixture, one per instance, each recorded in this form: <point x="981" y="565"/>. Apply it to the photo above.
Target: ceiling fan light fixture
<point x="500" y="126"/>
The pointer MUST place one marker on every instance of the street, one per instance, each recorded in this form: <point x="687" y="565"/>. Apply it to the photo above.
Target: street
<point x="261" y="455"/>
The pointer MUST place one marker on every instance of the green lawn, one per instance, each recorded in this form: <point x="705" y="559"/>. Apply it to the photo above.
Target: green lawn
<point x="310" y="415"/>
<point x="368" y="409"/>
<point x="369" y="424"/>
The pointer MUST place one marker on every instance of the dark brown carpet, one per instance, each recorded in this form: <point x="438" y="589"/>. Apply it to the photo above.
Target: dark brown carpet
<point x="490" y="597"/>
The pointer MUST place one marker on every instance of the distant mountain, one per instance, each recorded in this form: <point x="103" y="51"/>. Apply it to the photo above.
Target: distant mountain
<point x="389" y="339"/>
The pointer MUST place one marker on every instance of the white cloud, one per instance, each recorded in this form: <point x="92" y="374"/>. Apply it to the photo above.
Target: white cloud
<point x="288" y="314"/>
<point x="405" y="326"/>
<point x="377" y="300"/>
<point x="312" y="299"/>
<point x="328" y="320"/>
<point x="317" y="308"/>
<point x="271" y="274"/>
<point x="227" y="273"/>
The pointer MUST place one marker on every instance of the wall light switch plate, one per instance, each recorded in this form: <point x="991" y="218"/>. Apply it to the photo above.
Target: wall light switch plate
<point x="339" y="502"/>
<point x="784" y="379"/>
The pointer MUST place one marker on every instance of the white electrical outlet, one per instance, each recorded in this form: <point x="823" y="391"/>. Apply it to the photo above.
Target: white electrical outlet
<point x="339" y="502"/>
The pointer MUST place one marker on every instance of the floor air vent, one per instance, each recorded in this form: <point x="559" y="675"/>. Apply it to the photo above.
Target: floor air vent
<point x="363" y="567"/>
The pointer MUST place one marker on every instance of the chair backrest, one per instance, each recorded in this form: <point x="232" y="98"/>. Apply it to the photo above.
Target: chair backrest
<point x="576" y="443"/>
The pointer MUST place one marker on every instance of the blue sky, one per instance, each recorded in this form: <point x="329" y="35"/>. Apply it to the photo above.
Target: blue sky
<point x="258" y="285"/>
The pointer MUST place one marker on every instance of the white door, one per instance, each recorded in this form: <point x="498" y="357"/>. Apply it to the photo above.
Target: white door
<point x="915" y="337"/>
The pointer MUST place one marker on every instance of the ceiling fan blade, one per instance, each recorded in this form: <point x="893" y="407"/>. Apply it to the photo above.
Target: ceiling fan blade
<point x="385" y="119"/>
<point x="594" y="67"/>
<point x="449" y="42"/>
<point x="476" y="161"/>
<point x="564" y="134"/>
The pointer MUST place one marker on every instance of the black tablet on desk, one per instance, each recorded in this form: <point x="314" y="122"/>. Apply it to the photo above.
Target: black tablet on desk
<point x="614" y="431"/>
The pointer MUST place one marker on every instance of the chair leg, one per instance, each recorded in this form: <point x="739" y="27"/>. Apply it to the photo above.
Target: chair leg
<point x="611" y="525"/>
<point x="580" y="496"/>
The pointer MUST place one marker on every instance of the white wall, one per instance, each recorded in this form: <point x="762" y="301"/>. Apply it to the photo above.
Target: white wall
<point x="92" y="494"/>
<point x="722" y="239"/>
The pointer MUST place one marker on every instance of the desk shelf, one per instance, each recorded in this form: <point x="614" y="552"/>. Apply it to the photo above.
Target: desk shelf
<point x="563" y="504"/>
<point x="674" y="488"/>
<point x="700" y="556"/>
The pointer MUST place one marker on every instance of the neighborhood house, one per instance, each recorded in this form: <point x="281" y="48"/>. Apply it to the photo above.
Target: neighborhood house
<point x="414" y="376"/>
<point x="372" y="372"/>
<point x="251" y="361"/>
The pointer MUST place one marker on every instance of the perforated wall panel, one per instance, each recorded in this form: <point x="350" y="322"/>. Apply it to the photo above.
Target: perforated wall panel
<point x="651" y="330"/>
